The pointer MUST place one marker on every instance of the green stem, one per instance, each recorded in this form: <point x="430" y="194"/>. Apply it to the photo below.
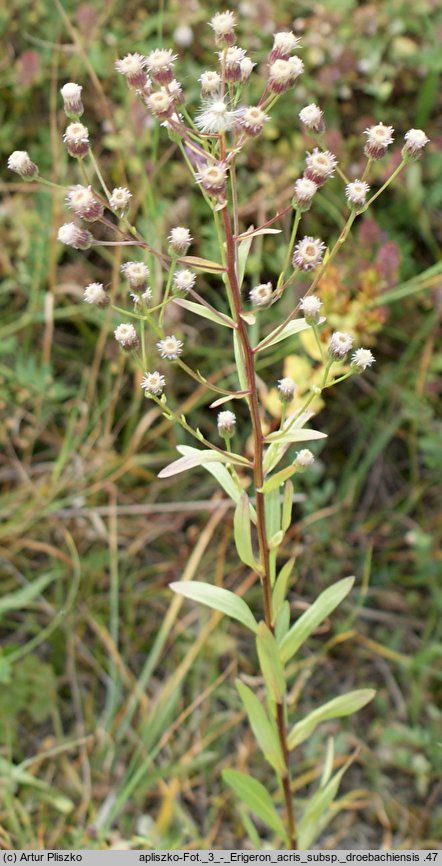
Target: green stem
<point x="289" y="251"/>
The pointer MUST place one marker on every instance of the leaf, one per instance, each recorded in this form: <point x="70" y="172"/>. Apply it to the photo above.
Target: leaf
<point x="250" y="318"/>
<point x="280" y="590"/>
<point x="282" y="622"/>
<point x="287" y="505"/>
<point x="289" y="330"/>
<point x="257" y="798"/>
<point x="205" y="312"/>
<point x="25" y="596"/>
<point x="343" y="705"/>
<point x="243" y="533"/>
<point x="312" y="618"/>
<point x="264" y="729"/>
<point x="199" y="458"/>
<point x="202" y="264"/>
<point x="297" y="434"/>
<point x="276" y="480"/>
<point x="241" y="370"/>
<point x="219" y="599"/>
<point x="223" y="477"/>
<point x="276" y="539"/>
<point x="270" y="663"/>
<point x="227" y="398"/>
<point x="314" y="819"/>
<point x="243" y="254"/>
<point x="254" y="233"/>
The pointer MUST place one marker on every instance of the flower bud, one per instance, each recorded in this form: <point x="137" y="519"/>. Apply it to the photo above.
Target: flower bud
<point x="415" y="141"/>
<point x="283" y="45"/>
<point x="82" y="201"/>
<point x="212" y="178"/>
<point x="160" y="104"/>
<point x="136" y="274"/>
<point x="21" y="163"/>
<point x="361" y="359"/>
<point x="95" y="294"/>
<point x="305" y="189"/>
<point x="223" y="24"/>
<point x="74" y="236"/>
<point x="120" y="199"/>
<point x="287" y="389"/>
<point x="71" y="95"/>
<point x="304" y="459"/>
<point x="153" y="383"/>
<point x="226" y="423"/>
<point x="320" y="165"/>
<point x="160" y="65"/>
<point x="210" y="84"/>
<point x="311" y="117"/>
<point x="232" y="59"/>
<point x="378" y="139"/>
<point x="184" y="280"/>
<point x="311" y="307"/>
<point x="252" y="120"/>
<point x="179" y="240"/>
<point x="76" y="139"/>
<point x="126" y="336"/>
<point x="283" y="73"/>
<point x="356" y="193"/>
<point x="340" y="343"/>
<point x="246" y="68"/>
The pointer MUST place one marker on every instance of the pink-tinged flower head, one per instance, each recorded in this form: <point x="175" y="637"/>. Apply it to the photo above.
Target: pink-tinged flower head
<point x="304" y="189"/>
<point x="74" y="236"/>
<point x="212" y="178"/>
<point x="133" y="67"/>
<point x="308" y="253"/>
<point x="311" y="117"/>
<point x="71" y="95"/>
<point x="95" y="294"/>
<point x="120" y="199"/>
<point x="286" y="389"/>
<point x="82" y="201"/>
<point x="136" y="274"/>
<point x="76" y="139"/>
<point x="378" y="139"/>
<point x="223" y="24"/>
<point x="311" y="307"/>
<point x="356" y="192"/>
<point x="210" y="83"/>
<point x="126" y="336"/>
<point x="231" y="59"/>
<point x="153" y="383"/>
<point x="283" y="73"/>
<point x="161" y="104"/>
<point x="415" y="141"/>
<point x="226" y="423"/>
<point x="252" y="120"/>
<point x="170" y="348"/>
<point x="175" y="90"/>
<point x="180" y="240"/>
<point x="261" y="295"/>
<point x="361" y="359"/>
<point x="320" y="165"/>
<point x="284" y="43"/>
<point x="22" y="164"/>
<point x="246" y="69"/>
<point x="340" y="343"/>
<point x="160" y="65"/>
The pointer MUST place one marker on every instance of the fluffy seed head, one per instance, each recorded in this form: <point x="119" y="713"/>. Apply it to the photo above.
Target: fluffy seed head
<point x="378" y="139"/>
<point x="252" y="120"/>
<point x="308" y="253"/>
<point x="226" y="422"/>
<point x="71" y="95"/>
<point x="94" y="293"/>
<point x="170" y="348"/>
<point x="153" y="383"/>
<point x="212" y="177"/>
<point x="261" y="295"/>
<point x="210" y="83"/>
<point x="286" y="388"/>
<point x="160" y="104"/>
<point x="320" y="165"/>
<point x="356" y="192"/>
<point x="283" y="45"/>
<point x="184" y="280"/>
<point x="311" y="306"/>
<point x="180" y="240"/>
<point x="120" y="199"/>
<point x="415" y="141"/>
<point x="133" y="67"/>
<point x="362" y="359"/>
<point x="304" y="192"/>
<point x="223" y="24"/>
<point x="136" y="274"/>
<point x="340" y="343"/>
<point x="76" y="139"/>
<point x="215" y="117"/>
<point x="84" y="204"/>
<point x="160" y="64"/>
<point x="74" y="236"/>
<point x="304" y="458"/>
<point x="126" y="336"/>
<point x="21" y="163"/>
<point x="311" y="116"/>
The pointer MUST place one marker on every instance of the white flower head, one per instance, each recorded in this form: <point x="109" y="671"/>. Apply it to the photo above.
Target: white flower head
<point x="223" y="24"/>
<point x="120" y="199"/>
<point x="160" y="64"/>
<point x="320" y="165"/>
<point x="161" y="104"/>
<point x="82" y="201"/>
<point x="145" y="296"/>
<point x="215" y="117"/>
<point x="180" y="240"/>
<point x="133" y="67"/>
<point x="126" y="336"/>
<point x="136" y="274"/>
<point x="72" y="103"/>
<point x="261" y="295"/>
<point x="283" y="45"/>
<point x="153" y="383"/>
<point x="415" y="141"/>
<point x="212" y="177"/>
<point x="304" y="458"/>
<point x="287" y="388"/>
<point x="378" y="139"/>
<point x="283" y="73"/>
<point x="95" y="294"/>
<point x="308" y="253"/>
<point x="304" y="189"/>
<point x="226" y="422"/>
<point x="246" y="68"/>
<point x="184" y="280"/>
<point x="311" y="116"/>
<point x="340" y="343"/>
<point x="210" y="83"/>
<point x="20" y="162"/>
<point x="183" y="35"/>
<point x="76" y="139"/>
<point x="231" y="59"/>
<point x="252" y="120"/>
<point x="170" y="348"/>
<point x="362" y="358"/>
<point x="74" y="236"/>
<point x="356" y="192"/>
<point x="311" y="307"/>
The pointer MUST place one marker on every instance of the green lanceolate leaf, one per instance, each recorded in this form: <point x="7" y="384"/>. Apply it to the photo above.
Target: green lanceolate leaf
<point x="282" y="622"/>
<point x="256" y="797"/>
<point x="297" y="434"/>
<point x="243" y="533"/>
<point x="243" y="254"/>
<point x="293" y="327"/>
<point x="343" y="705"/>
<point x="315" y="816"/>
<point x="280" y="590"/>
<point x="264" y="729"/>
<point x="275" y="481"/>
<point x="198" y="458"/>
<point x="205" y="312"/>
<point x="202" y="264"/>
<point x="270" y="662"/>
<point x="26" y="595"/>
<point x="287" y="505"/>
<point x="272" y="506"/>
<point x="312" y="618"/>
<point x="219" y="599"/>
<point x="239" y="361"/>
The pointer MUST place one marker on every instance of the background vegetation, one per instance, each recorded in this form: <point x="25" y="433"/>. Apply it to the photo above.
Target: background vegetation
<point x="118" y="712"/>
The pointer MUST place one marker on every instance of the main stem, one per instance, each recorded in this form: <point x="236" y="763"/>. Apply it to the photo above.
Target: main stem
<point x="258" y="478"/>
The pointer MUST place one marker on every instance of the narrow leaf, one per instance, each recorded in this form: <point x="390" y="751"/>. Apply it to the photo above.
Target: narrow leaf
<point x="270" y="663"/>
<point x="343" y="705"/>
<point x="254" y="233"/>
<point x="243" y="254"/>
<point x="227" y="398"/>
<point x="272" y="505"/>
<point x="287" y="505"/>
<point x="315" y="816"/>
<point x="280" y="590"/>
<point x="26" y="595"/>
<point x="198" y="458"/>
<point x="205" y="312"/>
<point x="264" y="729"/>
<point x="276" y="480"/>
<point x="282" y="623"/>
<point x="312" y="618"/>
<point x="243" y="533"/>
<point x="256" y="797"/>
<point x="295" y="435"/>
<point x="290" y="329"/>
<point x="219" y="599"/>
<point x="202" y="264"/>
<point x="240" y="367"/>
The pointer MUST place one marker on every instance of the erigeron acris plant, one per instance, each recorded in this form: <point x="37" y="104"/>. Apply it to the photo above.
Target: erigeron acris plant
<point x="222" y="127"/>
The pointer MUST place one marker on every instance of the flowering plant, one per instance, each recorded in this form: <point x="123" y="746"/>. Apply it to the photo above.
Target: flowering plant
<point x="257" y="478"/>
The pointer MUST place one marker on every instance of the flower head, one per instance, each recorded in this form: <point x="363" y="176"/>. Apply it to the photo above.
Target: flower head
<point x="261" y="295"/>
<point x="252" y="120"/>
<point x="378" y="139"/>
<point x="246" y="68"/>
<point x="145" y="296"/>
<point x="153" y="383"/>
<point x="94" y="293"/>
<point x="311" y="307"/>
<point x="175" y="90"/>
<point x="286" y="388"/>
<point x="160" y="65"/>
<point x="308" y="253"/>
<point x="340" y="343"/>
<point x="212" y="177"/>
<point x="320" y="165"/>
<point x="356" y="192"/>
<point x="231" y="60"/>
<point x="76" y="139"/>
<point x="215" y="117"/>
<point x="120" y="199"/>
<point x="283" y="45"/>
<point x="362" y="358"/>
<point x="223" y="24"/>
<point x="184" y="280"/>
<point x="311" y="116"/>
<point x="170" y="348"/>
<point x="304" y="192"/>
<point x="161" y="104"/>
<point x="180" y="240"/>
<point x="226" y="422"/>
<point x="133" y="67"/>
<point x="304" y="458"/>
<point x="415" y="141"/>
<point x="22" y="164"/>
<point x="136" y="274"/>
<point x="210" y="83"/>
<point x="71" y="95"/>
<point x="82" y="201"/>
<point x="283" y="73"/>
<point x="74" y="236"/>
<point x="126" y="336"/>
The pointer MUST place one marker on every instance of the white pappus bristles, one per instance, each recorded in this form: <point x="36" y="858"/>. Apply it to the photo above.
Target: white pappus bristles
<point x="210" y="83"/>
<point x="283" y="73"/>
<point x="215" y="117"/>
<point x="153" y="383"/>
<point x="283" y="45"/>
<point x="71" y="95"/>
<point x="356" y="192"/>
<point x="20" y="162"/>
<point x="378" y="139"/>
<point x="226" y="422"/>
<point x="161" y="104"/>
<point x="170" y="348"/>
<point x="286" y="389"/>
<point x="133" y="67"/>
<point x="320" y="165"/>
<point x="180" y="240"/>
<point x="415" y="141"/>
<point x="95" y="294"/>
<point x="308" y="253"/>
<point x="126" y="336"/>
<point x="304" y="189"/>
<point x="82" y="201"/>
<point x="304" y="458"/>
<point x="252" y="120"/>
<point x="160" y="65"/>
<point x="361" y="359"/>
<point x="261" y="295"/>
<point x="311" y="307"/>
<point x="340" y="343"/>
<point x="231" y="60"/>
<point x="120" y="199"/>
<point x="311" y="117"/>
<point x="184" y="280"/>
<point x="212" y="178"/>
<point x="136" y="274"/>
<point x="246" y="69"/>
<point x="74" y="236"/>
<point x="223" y="24"/>
<point x="76" y="139"/>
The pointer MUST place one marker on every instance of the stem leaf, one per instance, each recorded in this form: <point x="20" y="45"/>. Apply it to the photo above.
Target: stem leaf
<point x="205" y="312"/>
<point x="219" y="599"/>
<point x="200" y="457"/>
<point x="343" y="705"/>
<point x="264" y="729"/>
<point x="280" y="589"/>
<point x="256" y="797"/>
<point x="316" y="815"/>
<point x="202" y="264"/>
<point x="295" y="326"/>
<point x="297" y="434"/>
<point x="326" y="602"/>
<point x="270" y="662"/>
<point x="243" y="533"/>
<point x="26" y="595"/>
